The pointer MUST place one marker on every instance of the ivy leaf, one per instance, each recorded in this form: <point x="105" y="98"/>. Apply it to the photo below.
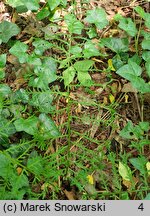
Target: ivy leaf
<point x="41" y="45"/>
<point x="125" y="171"/>
<point x="147" y="20"/>
<point x="146" y="55"/>
<point x="140" y="85"/>
<point x="7" y="30"/>
<point x="74" y="25"/>
<point x="30" y="5"/>
<point x="43" y="101"/>
<point x="20" y="95"/>
<point x="76" y="50"/>
<point x="90" y="50"/>
<point x="147" y="66"/>
<point x="19" y="50"/>
<point x="128" y="25"/>
<point x="48" y="128"/>
<point x="46" y="73"/>
<point x="5" y="90"/>
<point x="28" y="125"/>
<point x="2" y="60"/>
<point x="6" y="127"/>
<point x="44" y="12"/>
<point x="97" y="17"/>
<point x="53" y="3"/>
<point x="15" y="3"/>
<point x="146" y="44"/>
<point x="83" y="65"/>
<point x="130" y="71"/>
<point x="2" y="65"/>
<point x="117" y="45"/>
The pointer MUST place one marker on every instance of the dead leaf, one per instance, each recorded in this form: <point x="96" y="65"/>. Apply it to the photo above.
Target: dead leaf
<point x="128" y="88"/>
<point x="19" y="170"/>
<point x="69" y="194"/>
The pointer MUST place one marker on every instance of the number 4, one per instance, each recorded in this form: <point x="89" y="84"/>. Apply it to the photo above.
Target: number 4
<point x="141" y="207"/>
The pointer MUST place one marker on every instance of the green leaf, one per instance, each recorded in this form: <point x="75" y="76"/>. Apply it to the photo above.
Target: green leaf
<point x="7" y="30"/>
<point x="15" y="3"/>
<point x="84" y="78"/>
<point x="18" y="182"/>
<point x="6" y="127"/>
<point x="41" y="45"/>
<point x="140" y="85"/>
<point x="116" y="44"/>
<point x="97" y="17"/>
<point x="5" y="166"/>
<point x="2" y="60"/>
<point x="34" y="60"/>
<point x="35" y="164"/>
<point x="19" y="50"/>
<point x="145" y="126"/>
<point x="127" y="131"/>
<point x="43" y="13"/>
<point x="48" y="128"/>
<point x="147" y="197"/>
<point x="125" y="171"/>
<point x="83" y="65"/>
<point x="146" y="44"/>
<point x="146" y="55"/>
<point x="43" y="101"/>
<point x="2" y="65"/>
<point x="5" y="90"/>
<point x="28" y="125"/>
<point x="90" y="50"/>
<point x="45" y="74"/>
<point x="140" y="11"/>
<point x="147" y="66"/>
<point x="74" y="25"/>
<point x="20" y="95"/>
<point x="68" y="75"/>
<point x="31" y="5"/>
<point x="92" y="33"/>
<point x="76" y="50"/>
<point x="147" y="20"/>
<point x="139" y="163"/>
<point x="53" y="3"/>
<point x="130" y="71"/>
<point x="128" y="25"/>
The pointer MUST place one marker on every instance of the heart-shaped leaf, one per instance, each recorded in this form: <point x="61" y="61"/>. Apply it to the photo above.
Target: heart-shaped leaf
<point x="83" y="65"/>
<point x="28" y="125"/>
<point x="7" y="30"/>
<point x="116" y="44"/>
<point x="74" y="25"/>
<point x="48" y="128"/>
<point x="90" y="50"/>
<point x="19" y="50"/>
<point x="97" y="17"/>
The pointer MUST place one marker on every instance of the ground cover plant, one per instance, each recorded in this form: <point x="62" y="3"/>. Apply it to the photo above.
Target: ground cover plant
<point x="74" y="99"/>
